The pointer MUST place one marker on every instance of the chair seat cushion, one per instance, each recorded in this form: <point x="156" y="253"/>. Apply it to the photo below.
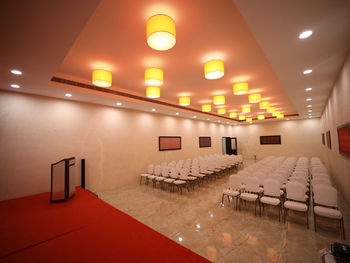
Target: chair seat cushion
<point x="327" y="212"/>
<point x="192" y="178"/>
<point x="230" y="192"/>
<point x="249" y="196"/>
<point x="169" y="180"/>
<point x="178" y="182"/>
<point x="152" y="176"/>
<point x="270" y="200"/>
<point x="144" y="175"/>
<point x="297" y="206"/>
<point x="160" y="178"/>
<point x="261" y="189"/>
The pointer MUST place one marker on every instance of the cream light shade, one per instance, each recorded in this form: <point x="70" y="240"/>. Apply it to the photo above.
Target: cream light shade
<point x="219" y="100"/>
<point x="222" y="111"/>
<point x="153" y="92"/>
<point x="206" y="107"/>
<point x="254" y="98"/>
<point x="233" y="114"/>
<point x="241" y="117"/>
<point x="261" y="117"/>
<point x="240" y="88"/>
<point x="161" y="32"/>
<point x="270" y="109"/>
<point x="154" y="76"/>
<point x="184" y="101"/>
<point x="102" y="78"/>
<point x="249" y="119"/>
<point x="245" y="109"/>
<point x="280" y="116"/>
<point x="214" y="69"/>
<point x="264" y="105"/>
<point x="276" y="113"/>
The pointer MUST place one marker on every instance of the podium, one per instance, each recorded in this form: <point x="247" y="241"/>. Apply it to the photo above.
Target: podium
<point x="62" y="180"/>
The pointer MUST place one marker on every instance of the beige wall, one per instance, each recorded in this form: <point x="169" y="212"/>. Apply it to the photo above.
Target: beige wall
<point x="336" y="113"/>
<point x="118" y="144"/>
<point x="299" y="138"/>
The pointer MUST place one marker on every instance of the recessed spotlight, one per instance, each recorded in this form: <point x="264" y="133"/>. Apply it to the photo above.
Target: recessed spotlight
<point x="194" y="116"/>
<point x="305" y="34"/>
<point x="180" y="239"/>
<point x="307" y="71"/>
<point x="177" y="113"/>
<point x="219" y="121"/>
<point x="287" y="119"/>
<point x="310" y="117"/>
<point x="153" y="109"/>
<point x="119" y="104"/>
<point x="309" y="111"/>
<point x="68" y="95"/>
<point x="15" y="86"/>
<point x="309" y="106"/>
<point x="308" y="89"/>
<point x="310" y="114"/>
<point x="16" y="72"/>
<point x="308" y="99"/>
<point x="208" y="119"/>
<point x="198" y="226"/>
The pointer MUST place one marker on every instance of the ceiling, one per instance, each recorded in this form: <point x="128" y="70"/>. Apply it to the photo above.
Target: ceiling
<point x="258" y="41"/>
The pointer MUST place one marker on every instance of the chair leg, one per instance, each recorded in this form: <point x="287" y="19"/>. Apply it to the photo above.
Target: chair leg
<point x="315" y="222"/>
<point x="342" y="230"/>
<point x="307" y="219"/>
<point x="279" y="213"/>
<point x="222" y="199"/>
<point x="255" y="208"/>
<point x="285" y="214"/>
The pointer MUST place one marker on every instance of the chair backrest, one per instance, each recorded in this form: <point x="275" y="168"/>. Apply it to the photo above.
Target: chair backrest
<point x="235" y="182"/>
<point x="165" y="171"/>
<point x="296" y="191"/>
<point x="174" y="173"/>
<point x="150" y="169"/>
<point x="157" y="170"/>
<point x="322" y="181"/>
<point x="299" y="179"/>
<point x="325" y="195"/>
<point x="272" y="187"/>
<point x="252" y="184"/>
<point x="184" y="173"/>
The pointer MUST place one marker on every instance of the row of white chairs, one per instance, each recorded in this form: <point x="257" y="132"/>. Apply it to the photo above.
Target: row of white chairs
<point x="189" y="172"/>
<point x="293" y="194"/>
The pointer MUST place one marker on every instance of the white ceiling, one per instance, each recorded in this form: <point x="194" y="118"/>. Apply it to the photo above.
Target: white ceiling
<point x="38" y="39"/>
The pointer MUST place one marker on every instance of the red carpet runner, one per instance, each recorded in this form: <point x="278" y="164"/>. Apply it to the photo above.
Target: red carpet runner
<point x="85" y="229"/>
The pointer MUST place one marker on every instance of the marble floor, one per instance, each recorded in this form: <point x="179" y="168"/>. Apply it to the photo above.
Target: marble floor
<point x="198" y="221"/>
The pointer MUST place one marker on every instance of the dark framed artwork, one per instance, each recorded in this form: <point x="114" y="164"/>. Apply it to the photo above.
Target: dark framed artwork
<point x="270" y="139"/>
<point x="204" y="142"/>
<point x="344" y="139"/>
<point x="323" y="140"/>
<point x="329" y="142"/>
<point x="168" y="143"/>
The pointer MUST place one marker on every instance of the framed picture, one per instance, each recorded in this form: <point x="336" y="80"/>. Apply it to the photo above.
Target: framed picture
<point x="204" y="142"/>
<point x="329" y="142"/>
<point x="344" y="139"/>
<point x="167" y="143"/>
<point x="323" y="140"/>
<point x="271" y="139"/>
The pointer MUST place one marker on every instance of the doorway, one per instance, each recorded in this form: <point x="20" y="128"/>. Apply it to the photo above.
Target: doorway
<point x="229" y="145"/>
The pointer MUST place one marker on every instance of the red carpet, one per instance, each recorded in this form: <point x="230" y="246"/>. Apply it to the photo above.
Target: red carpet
<point x="85" y="229"/>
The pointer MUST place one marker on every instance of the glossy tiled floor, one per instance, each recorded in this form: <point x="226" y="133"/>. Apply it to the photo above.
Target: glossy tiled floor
<point x="196" y="220"/>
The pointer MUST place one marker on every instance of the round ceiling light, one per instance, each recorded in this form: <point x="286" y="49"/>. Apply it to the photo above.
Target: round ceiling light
<point x="206" y="108"/>
<point x="102" y="78"/>
<point x="154" y="77"/>
<point x="153" y="92"/>
<point x="161" y="32"/>
<point x="214" y="69"/>
<point x="184" y="101"/>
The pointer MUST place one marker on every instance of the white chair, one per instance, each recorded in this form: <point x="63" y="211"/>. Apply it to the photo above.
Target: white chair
<point x="272" y="195"/>
<point x="174" y="175"/>
<point x="164" y="175"/>
<point x="150" y="171"/>
<point x="234" y="189"/>
<point x="296" y="200"/>
<point x="252" y="191"/>
<point x="326" y="205"/>
<point x="157" y="173"/>
<point x="182" y="181"/>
